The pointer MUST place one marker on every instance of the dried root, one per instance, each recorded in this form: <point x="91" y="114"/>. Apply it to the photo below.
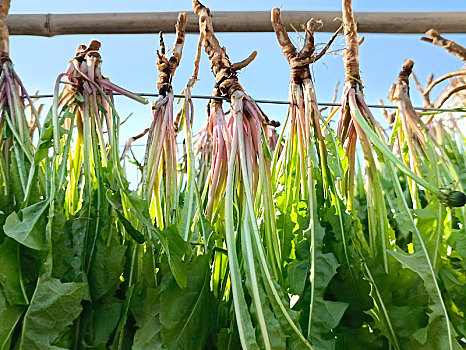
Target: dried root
<point x="167" y="66"/>
<point x="425" y="97"/>
<point x="406" y="71"/>
<point x="399" y="93"/>
<point x="4" y="43"/>
<point x="299" y="61"/>
<point x="432" y="84"/>
<point x="452" y="47"/>
<point x="351" y="53"/>
<point x="225" y="74"/>
<point x="242" y="64"/>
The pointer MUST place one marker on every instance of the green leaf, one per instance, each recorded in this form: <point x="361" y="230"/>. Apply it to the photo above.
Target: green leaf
<point x="401" y="301"/>
<point x="359" y="338"/>
<point x="183" y="318"/>
<point x="336" y="159"/>
<point x="106" y="269"/>
<point x="10" y="272"/>
<point x="454" y="298"/>
<point x="177" y="249"/>
<point x="326" y="314"/>
<point x="292" y="339"/>
<point x="187" y="314"/>
<point x="14" y="178"/>
<point x="457" y="240"/>
<point x="115" y="200"/>
<point x="78" y="96"/>
<point x="45" y="141"/>
<point x="135" y="234"/>
<point x="54" y="306"/>
<point x="102" y="320"/>
<point x="430" y="225"/>
<point x="292" y="220"/>
<point x="66" y="241"/>
<point x="285" y="228"/>
<point x="120" y="340"/>
<point x="298" y="272"/>
<point x="9" y="316"/>
<point x="30" y="229"/>
<point x="348" y="285"/>
<point x="67" y="250"/>
<point x="228" y="339"/>
<point x="433" y="337"/>
<point x="46" y="138"/>
<point x="438" y="326"/>
<point x="147" y="335"/>
<point x="275" y="333"/>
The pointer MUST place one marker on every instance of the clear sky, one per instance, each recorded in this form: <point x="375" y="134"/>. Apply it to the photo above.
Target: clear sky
<point x="129" y="60"/>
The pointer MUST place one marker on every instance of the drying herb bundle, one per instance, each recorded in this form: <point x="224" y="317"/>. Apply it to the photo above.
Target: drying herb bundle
<point x="305" y="188"/>
<point x="381" y="249"/>
<point x="425" y="156"/>
<point x="412" y="133"/>
<point x="249" y="196"/>
<point x="22" y="187"/>
<point x="19" y="178"/>
<point x="160" y="162"/>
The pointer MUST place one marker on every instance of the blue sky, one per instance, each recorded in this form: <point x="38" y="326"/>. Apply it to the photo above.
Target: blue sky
<point x="129" y="60"/>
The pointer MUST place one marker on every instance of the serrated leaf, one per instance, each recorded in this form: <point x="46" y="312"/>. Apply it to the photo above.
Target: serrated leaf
<point x="348" y="285"/>
<point x="54" y="306"/>
<point x="438" y="326"/>
<point x="326" y="314"/>
<point x="401" y="301"/>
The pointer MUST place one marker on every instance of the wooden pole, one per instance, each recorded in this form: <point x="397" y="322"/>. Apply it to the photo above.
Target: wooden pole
<point x="231" y="21"/>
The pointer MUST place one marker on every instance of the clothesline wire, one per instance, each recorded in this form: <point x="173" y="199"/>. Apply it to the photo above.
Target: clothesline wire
<point x="325" y="104"/>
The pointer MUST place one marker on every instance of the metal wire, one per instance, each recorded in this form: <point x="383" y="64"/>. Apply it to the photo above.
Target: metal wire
<point x="326" y="104"/>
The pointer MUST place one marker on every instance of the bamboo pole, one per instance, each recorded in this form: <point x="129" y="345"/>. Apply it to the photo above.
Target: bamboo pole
<point x="231" y="21"/>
